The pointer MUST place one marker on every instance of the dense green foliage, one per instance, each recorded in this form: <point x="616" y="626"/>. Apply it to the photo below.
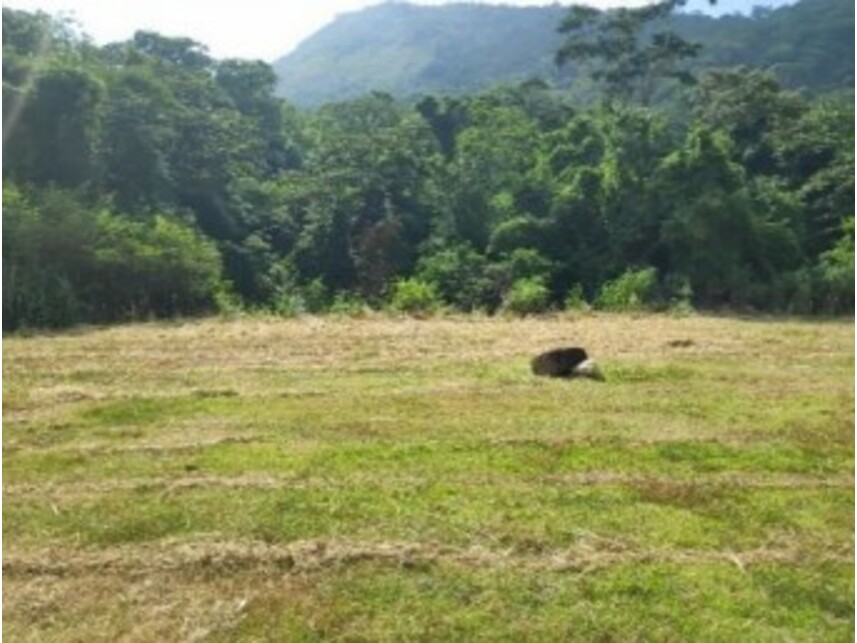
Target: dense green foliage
<point x="64" y="262"/>
<point x="631" y="45"/>
<point x="147" y="179"/>
<point x="408" y="50"/>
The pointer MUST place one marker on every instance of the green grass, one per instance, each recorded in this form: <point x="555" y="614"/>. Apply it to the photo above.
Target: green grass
<point x="404" y="480"/>
<point x="712" y="602"/>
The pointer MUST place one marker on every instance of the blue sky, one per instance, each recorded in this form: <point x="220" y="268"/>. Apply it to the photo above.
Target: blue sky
<point x="265" y="29"/>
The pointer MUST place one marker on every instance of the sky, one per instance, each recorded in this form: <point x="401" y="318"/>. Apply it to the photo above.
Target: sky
<point x="265" y="29"/>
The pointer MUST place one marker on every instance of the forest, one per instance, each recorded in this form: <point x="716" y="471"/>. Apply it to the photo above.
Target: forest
<point x="146" y="179"/>
<point x="460" y="48"/>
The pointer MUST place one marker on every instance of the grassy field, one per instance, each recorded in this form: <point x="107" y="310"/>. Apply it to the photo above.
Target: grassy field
<point x="380" y="479"/>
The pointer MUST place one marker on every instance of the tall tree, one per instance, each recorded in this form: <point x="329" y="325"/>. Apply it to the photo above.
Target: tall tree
<point x="138" y="138"/>
<point x="625" y="53"/>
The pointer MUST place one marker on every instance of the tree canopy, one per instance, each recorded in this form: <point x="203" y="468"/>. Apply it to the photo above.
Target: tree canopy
<point x="148" y="179"/>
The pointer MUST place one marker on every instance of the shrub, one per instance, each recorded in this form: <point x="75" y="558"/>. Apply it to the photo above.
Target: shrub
<point x="632" y="290"/>
<point x="414" y="297"/>
<point x="348" y="305"/>
<point x="460" y="276"/>
<point x="288" y="305"/>
<point x="527" y="296"/>
<point x="66" y="262"/>
<point x="46" y="258"/>
<point x="315" y="297"/>
<point x="159" y="267"/>
<point x="836" y="273"/>
<point x="575" y="299"/>
<point x="227" y="303"/>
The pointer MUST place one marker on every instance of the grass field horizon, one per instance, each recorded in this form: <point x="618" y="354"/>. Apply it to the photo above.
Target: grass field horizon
<point x="398" y="479"/>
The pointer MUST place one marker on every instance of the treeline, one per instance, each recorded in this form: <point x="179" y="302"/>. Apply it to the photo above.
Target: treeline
<point x="145" y="179"/>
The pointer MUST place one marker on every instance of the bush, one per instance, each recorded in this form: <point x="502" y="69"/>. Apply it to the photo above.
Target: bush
<point x="527" y="297"/>
<point x="65" y="263"/>
<point x="460" y="276"/>
<point x="575" y="299"/>
<point x="633" y="290"/>
<point x="159" y="267"/>
<point x="288" y="305"/>
<point x="46" y="258"/>
<point x="227" y="303"/>
<point x="315" y="297"/>
<point x="836" y="273"/>
<point x="414" y="297"/>
<point x="348" y="305"/>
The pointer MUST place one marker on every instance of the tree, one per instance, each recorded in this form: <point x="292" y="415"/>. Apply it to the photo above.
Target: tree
<point x="159" y="266"/>
<point x="138" y="137"/>
<point x="68" y="261"/>
<point x="460" y="275"/>
<point x="375" y="163"/>
<point x="179" y="52"/>
<point x="142" y="174"/>
<point x="728" y="235"/>
<point x="836" y="269"/>
<point x="446" y="118"/>
<point x="635" y="143"/>
<point x="46" y="251"/>
<point x="250" y="86"/>
<point x="493" y="156"/>
<point x="752" y="107"/>
<point x="54" y="136"/>
<point x="628" y="58"/>
<point x="815" y="157"/>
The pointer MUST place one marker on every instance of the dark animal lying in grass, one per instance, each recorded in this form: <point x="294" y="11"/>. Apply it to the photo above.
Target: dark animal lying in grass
<point x="566" y="362"/>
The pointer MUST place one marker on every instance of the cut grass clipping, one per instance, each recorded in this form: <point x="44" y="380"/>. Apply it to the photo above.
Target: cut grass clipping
<point x="384" y="479"/>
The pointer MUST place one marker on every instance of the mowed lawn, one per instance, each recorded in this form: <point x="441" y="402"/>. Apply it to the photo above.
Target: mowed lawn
<point x="395" y="479"/>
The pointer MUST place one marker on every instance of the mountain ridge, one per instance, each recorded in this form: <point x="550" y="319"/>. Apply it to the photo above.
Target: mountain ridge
<point x="419" y="46"/>
<point x="407" y="49"/>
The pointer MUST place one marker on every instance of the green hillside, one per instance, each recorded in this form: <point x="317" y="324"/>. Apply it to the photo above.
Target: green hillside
<point x="408" y="50"/>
